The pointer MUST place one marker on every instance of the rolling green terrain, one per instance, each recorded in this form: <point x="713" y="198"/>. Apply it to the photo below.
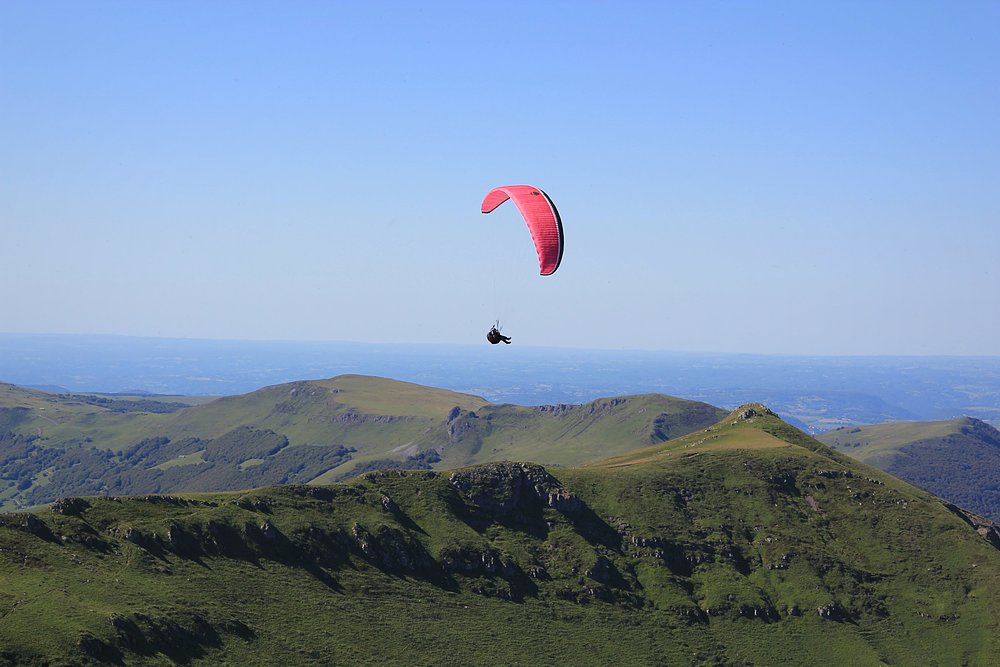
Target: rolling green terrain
<point x="53" y="445"/>
<point x="956" y="459"/>
<point x="747" y="543"/>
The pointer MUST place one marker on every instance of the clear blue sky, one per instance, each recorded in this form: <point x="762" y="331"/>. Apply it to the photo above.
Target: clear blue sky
<point x="777" y="177"/>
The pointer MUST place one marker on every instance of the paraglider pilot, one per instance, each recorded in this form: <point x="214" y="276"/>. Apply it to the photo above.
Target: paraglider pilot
<point x="494" y="336"/>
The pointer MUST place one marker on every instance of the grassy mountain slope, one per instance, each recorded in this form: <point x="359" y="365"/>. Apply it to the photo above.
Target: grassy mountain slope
<point x="347" y="410"/>
<point x="777" y="553"/>
<point x="568" y="434"/>
<point x="956" y="459"/>
<point x="315" y="431"/>
<point x="306" y="412"/>
<point x="63" y="417"/>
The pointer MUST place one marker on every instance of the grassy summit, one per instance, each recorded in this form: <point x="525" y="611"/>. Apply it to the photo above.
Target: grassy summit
<point x="748" y="543"/>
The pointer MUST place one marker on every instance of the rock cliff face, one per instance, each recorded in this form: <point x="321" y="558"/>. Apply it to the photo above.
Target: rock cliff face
<point x="466" y="424"/>
<point x="989" y="529"/>
<point x="501" y="490"/>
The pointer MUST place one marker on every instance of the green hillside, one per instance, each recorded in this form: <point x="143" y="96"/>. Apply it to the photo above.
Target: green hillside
<point x="567" y="434"/>
<point x="747" y="544"/>
<point x="60" y="418"/>
<point x="956" y="459"/>
<point x="53" y="445"/>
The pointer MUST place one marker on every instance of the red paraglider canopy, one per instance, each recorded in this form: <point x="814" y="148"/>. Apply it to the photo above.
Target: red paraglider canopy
<point x="541" y="216"/>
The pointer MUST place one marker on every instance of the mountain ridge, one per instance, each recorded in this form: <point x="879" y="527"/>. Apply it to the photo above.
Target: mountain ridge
<point x="313" y="431"/>
<point x="718" y="554"/>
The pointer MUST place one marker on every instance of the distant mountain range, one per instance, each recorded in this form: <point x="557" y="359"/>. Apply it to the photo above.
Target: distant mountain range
<point x="53" y="445"/>
<point x="956" y="459"/>
<point x="815" y="393"/>
<point x="743" y="542"/>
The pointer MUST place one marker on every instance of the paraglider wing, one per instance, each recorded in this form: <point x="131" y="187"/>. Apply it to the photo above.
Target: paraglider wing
<point x="542" y="219"/>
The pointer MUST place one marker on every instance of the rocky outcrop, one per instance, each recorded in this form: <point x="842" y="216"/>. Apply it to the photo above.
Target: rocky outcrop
<point x="176" y="501"/>
<point x="502" y="490"/>
<point x="183" y="541"/>
<point x="389" y="505"/>
<point x="268" y="531"/>
<point x="472" y="561"/>
<point x="833" y="611"/>
<point x="135" y="536"/>
<point x="261" y="505"/>
<point x="465" y="425"/>
<point x="70" y="506"/>
<point x="563" y="501"/>
<point x="264" y="536"/>
<point x="989" y="530"/>
<point x="28" y="523"/>
<point x="750" y="410"/>
<point x="603" y="571"/>
<point x="604" y="405"/>
<point x="492" y="574"/>
<point x="759" y="612"/>
<point x="353" y="417"/>
<point x="391" y="549"/>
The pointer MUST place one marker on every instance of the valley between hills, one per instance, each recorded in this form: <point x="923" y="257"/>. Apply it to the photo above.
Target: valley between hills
<point x="642" y="530"/>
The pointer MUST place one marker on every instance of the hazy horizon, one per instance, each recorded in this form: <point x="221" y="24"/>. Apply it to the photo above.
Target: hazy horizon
<point x="813" y="392"/>
<point x="476" y="344"/>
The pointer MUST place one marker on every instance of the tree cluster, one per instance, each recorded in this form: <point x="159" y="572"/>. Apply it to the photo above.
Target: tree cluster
<point x="240" y="459"/>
